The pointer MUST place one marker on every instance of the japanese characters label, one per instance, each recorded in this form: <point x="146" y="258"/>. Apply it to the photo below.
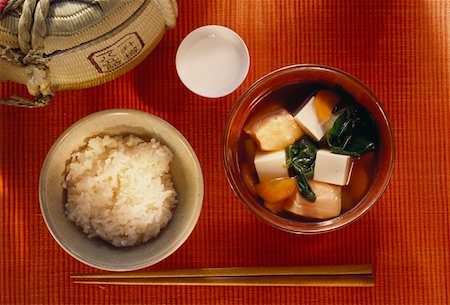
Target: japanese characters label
<point x="118" y="54"/>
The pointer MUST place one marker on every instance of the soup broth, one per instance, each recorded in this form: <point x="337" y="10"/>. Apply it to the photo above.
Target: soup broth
<point x="292" y="98"/>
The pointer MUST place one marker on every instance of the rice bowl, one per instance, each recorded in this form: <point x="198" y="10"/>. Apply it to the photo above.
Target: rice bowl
<point x="94" y="251"/>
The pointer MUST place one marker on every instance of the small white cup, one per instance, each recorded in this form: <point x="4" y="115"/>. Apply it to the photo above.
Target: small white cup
<point x="212" y="61"/>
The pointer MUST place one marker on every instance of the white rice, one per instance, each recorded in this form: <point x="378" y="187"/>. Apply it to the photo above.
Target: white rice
<point x="120" y="189"/>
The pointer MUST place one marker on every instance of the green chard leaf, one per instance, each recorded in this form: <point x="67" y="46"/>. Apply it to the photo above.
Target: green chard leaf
<point x="305" y="188"/>
<point x="301" y="157"/>
<point x="353" y="133"/>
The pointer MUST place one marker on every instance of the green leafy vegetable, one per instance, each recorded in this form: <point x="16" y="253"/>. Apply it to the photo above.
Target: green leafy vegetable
<point x="353" y="133"/>
<point x="301" y="157"/>
<point x="305" y="188"/>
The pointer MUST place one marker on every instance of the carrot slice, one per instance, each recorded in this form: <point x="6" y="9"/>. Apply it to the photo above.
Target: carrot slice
<point x="276" y="207"/>
<point x="277" y="189"/>
<point x="359" y="183"/>
<point x="324" y="102"/>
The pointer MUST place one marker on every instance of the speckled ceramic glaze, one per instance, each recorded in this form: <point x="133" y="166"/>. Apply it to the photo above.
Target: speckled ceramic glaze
<point x="94" y="251"/>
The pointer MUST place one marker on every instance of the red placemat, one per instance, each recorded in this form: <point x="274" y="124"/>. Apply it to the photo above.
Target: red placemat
<point x="400" y="49"/>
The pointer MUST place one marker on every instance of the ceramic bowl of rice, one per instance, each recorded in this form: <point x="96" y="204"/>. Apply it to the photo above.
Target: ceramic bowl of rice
<point x="113" y="190"/>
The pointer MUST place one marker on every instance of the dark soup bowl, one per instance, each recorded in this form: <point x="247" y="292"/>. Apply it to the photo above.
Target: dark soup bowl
<point x="308" y="149"/>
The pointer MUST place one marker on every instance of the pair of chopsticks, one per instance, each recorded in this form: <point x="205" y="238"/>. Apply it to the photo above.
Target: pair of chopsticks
<point x="327" y="276"/>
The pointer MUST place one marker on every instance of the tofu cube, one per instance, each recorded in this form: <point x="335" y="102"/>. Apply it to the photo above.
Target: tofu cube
<point x="271" y="165"/>
<point x="309" y="121"/>
<point x="332" y="168"/>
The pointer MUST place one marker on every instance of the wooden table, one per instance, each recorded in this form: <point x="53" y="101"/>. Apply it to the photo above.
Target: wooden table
<point x="400" y="49"/>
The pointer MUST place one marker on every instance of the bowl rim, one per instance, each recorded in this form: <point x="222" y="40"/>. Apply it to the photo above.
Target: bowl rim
<point x="317" y="227"/>
<point x="173" y="246"/>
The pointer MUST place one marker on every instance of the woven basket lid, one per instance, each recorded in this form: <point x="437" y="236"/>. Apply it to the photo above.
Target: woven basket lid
<point x="52" y="45"/>
<point x="71" y="23"/>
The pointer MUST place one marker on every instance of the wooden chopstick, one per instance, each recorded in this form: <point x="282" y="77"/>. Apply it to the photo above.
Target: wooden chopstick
<point x="237" y="271"/>
<point x="334" y="275"/>
<point x="277" y="280"/>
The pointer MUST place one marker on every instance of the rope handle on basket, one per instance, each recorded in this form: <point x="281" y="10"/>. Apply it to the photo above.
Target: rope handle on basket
<point x="18" y="101"/>
<point x="37" y="81"/>
<point x="32" y="29"/>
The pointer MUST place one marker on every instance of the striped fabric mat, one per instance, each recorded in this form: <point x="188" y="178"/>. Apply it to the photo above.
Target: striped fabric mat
<point x="400" y="49"/>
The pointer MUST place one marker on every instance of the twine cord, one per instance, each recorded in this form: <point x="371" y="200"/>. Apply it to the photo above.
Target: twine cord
<point x="12" y="5"/>
<point x="32" y="29"/>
